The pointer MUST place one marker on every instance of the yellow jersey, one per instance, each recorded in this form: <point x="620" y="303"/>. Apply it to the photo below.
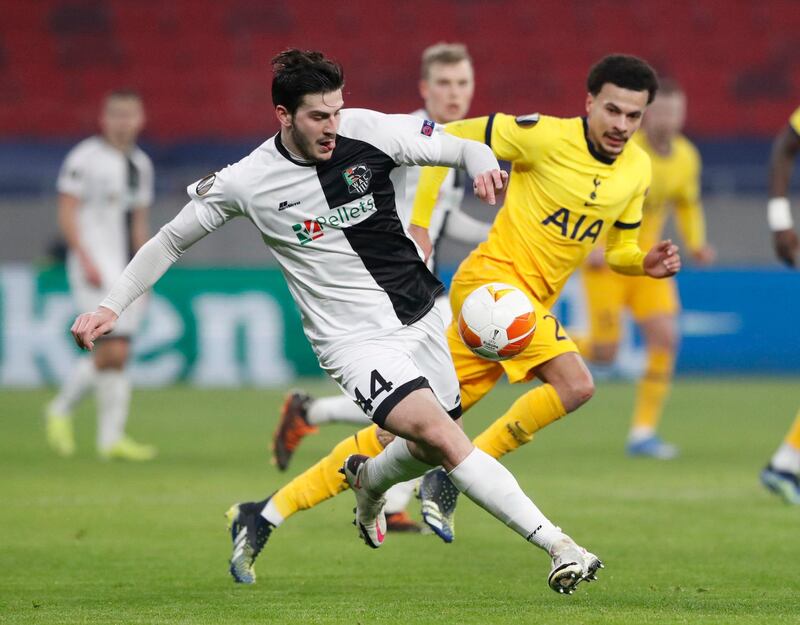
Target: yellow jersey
<point x="563" y="196"/>
<point x="675" y="185"/>
<point x="794" y="121"/>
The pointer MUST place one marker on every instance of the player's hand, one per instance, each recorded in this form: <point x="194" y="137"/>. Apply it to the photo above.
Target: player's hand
<point x="786" y="246"/>
<point x="90" y="271"/>
<point x="596" y="259"/>
<point x="705" y="255"/>
<point x="423" y="239"/>
<point x="663" y="260"/>
<point x="90" y="326"/>
<point x="490" y="184"/>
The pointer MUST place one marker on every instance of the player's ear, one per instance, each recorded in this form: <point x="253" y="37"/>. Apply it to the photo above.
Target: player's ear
<point x="589" y="102"/>
<point x="284" y="116"/>
<point x="423" y="88"/>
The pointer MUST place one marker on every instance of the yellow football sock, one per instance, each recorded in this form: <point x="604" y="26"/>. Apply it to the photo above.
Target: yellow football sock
<point x="323" y="480"/>
<point x="653" y="389"/>
<point x="531" y="412"/>
<point x="793" y="437"/>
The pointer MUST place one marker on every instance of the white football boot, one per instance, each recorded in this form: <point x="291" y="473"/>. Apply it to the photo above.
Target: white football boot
<point x="571" y="566"/>
<point x="370" y="517"/>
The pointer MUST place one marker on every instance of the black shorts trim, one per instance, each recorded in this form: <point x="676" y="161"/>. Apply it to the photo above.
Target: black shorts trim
<point x="456" y="412"/>
<point x="399" y="394"/>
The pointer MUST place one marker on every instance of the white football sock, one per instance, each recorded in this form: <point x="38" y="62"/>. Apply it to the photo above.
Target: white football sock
<point x="393" y="465"/>
<point x="113" y="401"/>
<point x="271" y="514"/>
<point x="399" y="495"/>
<point x="787" y="459"/>
<point x="337" y="409"/>
<point x="490" y="485"/>
<point x="79" y="381"/>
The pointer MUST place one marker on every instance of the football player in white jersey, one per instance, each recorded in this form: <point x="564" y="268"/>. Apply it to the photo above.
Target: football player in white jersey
<point x="105" y="190"/>
<point x="446" y="86"/>
<point x="323" y="192"/>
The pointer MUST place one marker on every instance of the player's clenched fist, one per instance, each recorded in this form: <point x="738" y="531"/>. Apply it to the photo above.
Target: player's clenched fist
<point x="489" y="184"/>
<point x="90" y="326"/>
<point x="662" y="260"/>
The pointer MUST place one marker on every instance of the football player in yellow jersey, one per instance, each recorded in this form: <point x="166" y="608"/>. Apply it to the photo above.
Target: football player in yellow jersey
<point x="572" y="180"/>
<point x="654" y="304"/>
<point x="781" y="474"/>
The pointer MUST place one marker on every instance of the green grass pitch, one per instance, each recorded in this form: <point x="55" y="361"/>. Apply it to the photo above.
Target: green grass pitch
<point x="697" y="540"/>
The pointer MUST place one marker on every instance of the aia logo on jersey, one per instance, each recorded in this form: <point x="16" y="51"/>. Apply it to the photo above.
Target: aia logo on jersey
<point x="574" y="226"/>
<point x="427" y="128"/>
<point x="357" y="178"/>
<point x="309" y="230"/>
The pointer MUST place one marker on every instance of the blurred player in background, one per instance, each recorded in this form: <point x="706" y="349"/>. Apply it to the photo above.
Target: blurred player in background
<point x="781" y="474"/>
<point x="654" y="304"/>
<point x="446" y="86"/>
<point x="105" y="190"/>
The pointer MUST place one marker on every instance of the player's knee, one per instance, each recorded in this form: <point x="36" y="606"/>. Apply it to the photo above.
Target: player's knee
<point x="577" y="391"/>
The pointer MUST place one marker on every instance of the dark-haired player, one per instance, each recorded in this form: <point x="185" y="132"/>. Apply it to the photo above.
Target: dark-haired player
<point x="782" y="474"/>
<point x="573" y="181"/>
<point x="653" y="304"/>
<point x="322" y="192"/>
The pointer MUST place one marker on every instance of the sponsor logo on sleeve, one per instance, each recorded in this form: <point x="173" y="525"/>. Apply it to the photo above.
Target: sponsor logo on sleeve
<point x="204" y="186"/>
<point x="527" y="121"/>
<point x="427" y="128"/>
<point x="357" y="178"/>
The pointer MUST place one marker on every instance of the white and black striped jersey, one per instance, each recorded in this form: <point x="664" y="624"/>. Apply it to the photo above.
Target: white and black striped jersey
<point x="334" y="227"/>
<point x="109" y="184"/>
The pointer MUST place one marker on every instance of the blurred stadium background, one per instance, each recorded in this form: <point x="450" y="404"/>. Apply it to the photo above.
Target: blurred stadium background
<point x="202" y="68"/>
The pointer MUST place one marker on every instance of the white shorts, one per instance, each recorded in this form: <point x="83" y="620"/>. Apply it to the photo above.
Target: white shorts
<point x="88" y="297"/>
<point x="378" y="373"/>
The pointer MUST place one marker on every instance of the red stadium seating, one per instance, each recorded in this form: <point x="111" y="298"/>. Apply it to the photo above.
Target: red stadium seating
<point x="202" y="65"/>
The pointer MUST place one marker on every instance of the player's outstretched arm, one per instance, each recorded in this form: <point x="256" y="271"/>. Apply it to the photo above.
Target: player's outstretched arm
<point x="150" y="263"/>
<point x="784" y="238"/>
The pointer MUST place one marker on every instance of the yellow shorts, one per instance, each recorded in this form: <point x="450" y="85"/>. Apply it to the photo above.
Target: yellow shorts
<point x="476" y="375"/>
<point x="608" y="293"/>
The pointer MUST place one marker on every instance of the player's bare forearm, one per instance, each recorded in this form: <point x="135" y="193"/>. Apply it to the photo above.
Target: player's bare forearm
<point x="786" y="246"/>
<point x="68" y="206"/>
<point x="140" y="229"/>
<point x="423" y="239"/>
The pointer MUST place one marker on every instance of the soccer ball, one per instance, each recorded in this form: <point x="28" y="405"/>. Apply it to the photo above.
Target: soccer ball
<point x="497" y="321"/>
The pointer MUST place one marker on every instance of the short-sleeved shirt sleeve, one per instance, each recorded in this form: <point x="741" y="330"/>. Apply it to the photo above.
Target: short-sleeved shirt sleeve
<point x="519" y="139"/>
<point x="631" y="216"/>
<point x="216" y="199"/>
<point x="73" y="178"/>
